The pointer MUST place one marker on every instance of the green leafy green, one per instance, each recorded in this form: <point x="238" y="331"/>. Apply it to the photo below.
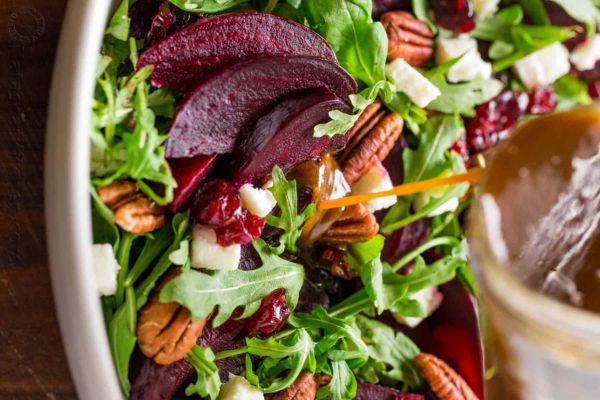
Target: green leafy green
<point x="571" y="92"/>
<point x="359" y="43"/>
<point x="207" y="382"/>
<point x="285" y="193"/>
<point x="207" y="6"/>
<point x="420" y="8"/>
<point x="201" y="293"/>
<point x="536" y="10"/>
<point x="343" y="383"/>
<point x="119" y="23"/>
<point x="361" y="253"/>
<point x="104" y="228"/>
<point x="393" y="349"/>
<point x="429" y="159"/>
<point x="507" y="28"/>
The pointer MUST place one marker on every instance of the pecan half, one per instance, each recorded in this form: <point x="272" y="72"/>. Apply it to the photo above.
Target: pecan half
<point x="445" y="382"/>
<point x="134" y="212"/>
<point x="165" y="331"/>
<point x="373" y="142"/>
<point x="355" y="224"/>
<point x="408" y="38"/>
<point x="304" y="388"/>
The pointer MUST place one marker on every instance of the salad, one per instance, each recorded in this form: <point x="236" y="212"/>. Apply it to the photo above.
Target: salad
<point x="221" y="127"/>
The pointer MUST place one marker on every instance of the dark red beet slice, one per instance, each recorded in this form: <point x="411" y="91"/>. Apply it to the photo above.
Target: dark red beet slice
<point x="189" y="174"/>
<point x="210" y="119"/>
<point x="284" y="136"/>
<point x="183" y="57"/>
<point x="368" y="391"/>
<point x="159" y="382"/>
<point x="405" y="239"/>
<point x="383" y="6"/>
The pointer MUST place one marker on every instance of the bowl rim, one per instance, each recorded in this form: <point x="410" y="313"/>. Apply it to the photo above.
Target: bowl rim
<point x="67" y="201"/>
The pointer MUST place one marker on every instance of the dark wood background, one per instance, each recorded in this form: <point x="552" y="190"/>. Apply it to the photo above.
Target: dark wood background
<point x="32" y="360"/>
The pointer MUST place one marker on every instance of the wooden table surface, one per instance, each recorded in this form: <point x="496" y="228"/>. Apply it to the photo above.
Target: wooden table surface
<point x="32" y="360"/>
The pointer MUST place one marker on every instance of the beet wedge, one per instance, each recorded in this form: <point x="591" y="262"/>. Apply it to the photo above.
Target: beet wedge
<point x="284" y="136"/>
<point x="211" y="118"/>
<point x="182" y="58"/>
<point x="189" y="174"/>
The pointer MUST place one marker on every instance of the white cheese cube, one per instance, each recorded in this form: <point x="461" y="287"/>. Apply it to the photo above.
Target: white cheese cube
<point x="485" y="8"/>
<point x="238" y="388"/>
<point x="448" y="206"/>
<point x="470" y="67"/>
<point x="544" y="66"/>
<point x="376" y="179"/>
<point x="585" y="56"/>
<point x="106" y="268"/>
<point x="208" y="254"/>
<point x="258" y="201"/>
<point x="429" y="298"/>
<point x="410" y="81"/>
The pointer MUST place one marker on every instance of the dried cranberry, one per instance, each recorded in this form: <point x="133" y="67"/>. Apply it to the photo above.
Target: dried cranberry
<point x="494" y="120"/>
<point x="218" y="204"/>
<point x="460" y="147"/>
<point x="270" y="317"/>
<point x="335" y="258"/>
<point x="244" y="228"/>
<point x="455" y="15"/>
<point x="161" y="23"/>
<point x="594" y="90"/>
<point x="542" y="99"/>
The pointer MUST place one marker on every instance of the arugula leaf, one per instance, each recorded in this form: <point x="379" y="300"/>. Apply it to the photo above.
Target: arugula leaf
<point x="297" y="350"/>
<point x="536" y="10"/>
<point x="429" y="160"/>
<point x="583" y="11"/>
<point x="361" y="253"/>
<point x="285" y="193"/>
<point x="201" y="293"/>
<point x="104" y="228"/>
<point x="359" y="43"/>
<point x="393" y="349"/>
<point x="506" y="27"/>
<point x="571" y="92"/>
<point x="119" y="23"/>
<point x="343" y="383"/>
<point x="208" y="382"/>
<point x="462" y="98"/>
<point x="206" y="6"/>
<point x="400" y="103"/>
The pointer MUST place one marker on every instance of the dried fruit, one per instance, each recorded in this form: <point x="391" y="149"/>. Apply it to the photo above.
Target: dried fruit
<point x="211" y="118"/>
<point x="494" y="120"/>
<point x="270" y="317"/>
<point x="218" y="204"/>
<point x="183" y="58"/>
<point x="304" y="388"/>
<point x="542" y="99"/>
<point x="368" y="391"/>
<point x="356" y="224"/>
<point x="408" y="38"/>
<point x="134" y="212"/>
<point x="284" y="136"/>
<point x="372" y="142"/>
<point x="244" y="228"/>
<point x="383" y="6"/>
<point x="446" y="383"/>
<point x="455" y="15"/>
<point x="594" y="90"/>
<point x="189" y="174"/>
<point x="165" y="331"/>
<point x="338" y="265"/>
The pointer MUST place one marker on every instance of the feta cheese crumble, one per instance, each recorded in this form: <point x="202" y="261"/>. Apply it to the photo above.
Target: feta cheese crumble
<point x="585" y="56"/>
<point x="238" y="388"/>
<point x="470" y="67"/>
<point x="376" y="179"/>
<point x="410" y="81"/>
<point x="544" y="66"/>
<point x="208" y="254"/>
<point x="259" y="202"/>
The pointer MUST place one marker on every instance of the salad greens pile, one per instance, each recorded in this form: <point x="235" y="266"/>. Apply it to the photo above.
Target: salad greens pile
<point x="346" y="341"/>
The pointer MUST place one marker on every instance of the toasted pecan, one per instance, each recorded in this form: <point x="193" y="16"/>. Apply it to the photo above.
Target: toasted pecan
<point x="376" y="144"/>
<point x="445" y="382"/>
<point x="165" y="331"/>
<point x="356" y="224"/>
<point x="408" y="38"/>
<point x="304" y="388"/>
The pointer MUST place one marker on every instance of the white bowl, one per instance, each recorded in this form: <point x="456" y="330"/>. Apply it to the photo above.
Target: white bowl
<point x="68" y="210"/>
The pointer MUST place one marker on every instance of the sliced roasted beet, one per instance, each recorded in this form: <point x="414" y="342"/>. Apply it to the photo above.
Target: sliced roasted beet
<point x="189" y="174"/>
<point x="159" y="382"/>
<point x="405" y="239"/>
<point x="284" y="136"/>
<point x="383" y="6"/>
<point x="368" y="391"/>
<point x="154" y="19"/>
<point x="210" y="119"/>
<point x="183" y="58"/>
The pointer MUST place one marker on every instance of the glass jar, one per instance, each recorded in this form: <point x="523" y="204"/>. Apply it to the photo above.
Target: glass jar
<point x="539" y="348"/>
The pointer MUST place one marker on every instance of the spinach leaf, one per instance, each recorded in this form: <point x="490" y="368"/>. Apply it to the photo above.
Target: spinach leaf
<point x="208" y="382"/>
<point x="359" y="43"/>
<point x="118" y="25"/>
<point x="462" y="98"/>
<point x="201" y="293"/>
<point x="286" y="196"/>
<point x="207" y="6"/>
